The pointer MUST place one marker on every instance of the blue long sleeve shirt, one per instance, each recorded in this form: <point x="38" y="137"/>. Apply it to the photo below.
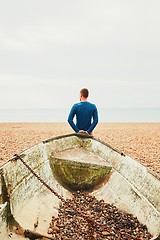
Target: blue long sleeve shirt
<point x="86" y="116"/>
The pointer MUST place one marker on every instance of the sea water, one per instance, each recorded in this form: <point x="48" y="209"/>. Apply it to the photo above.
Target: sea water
<point x="61" y="115"/>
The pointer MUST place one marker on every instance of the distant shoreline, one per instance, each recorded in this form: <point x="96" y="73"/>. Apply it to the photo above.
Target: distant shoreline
<point x="61" y="115"/>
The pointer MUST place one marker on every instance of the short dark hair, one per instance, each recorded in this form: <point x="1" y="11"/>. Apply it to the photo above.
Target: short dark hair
<point x="84" y="92"/>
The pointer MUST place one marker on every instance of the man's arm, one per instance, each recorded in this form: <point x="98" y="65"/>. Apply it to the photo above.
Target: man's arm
<point x="70" y="119"/>
<point x="95" y="121"/>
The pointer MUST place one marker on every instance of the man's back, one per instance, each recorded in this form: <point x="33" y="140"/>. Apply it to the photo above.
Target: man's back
<point x="86" y="116"/>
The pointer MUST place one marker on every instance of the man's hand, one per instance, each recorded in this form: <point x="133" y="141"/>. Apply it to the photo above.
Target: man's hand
<point x="82" y="131"/>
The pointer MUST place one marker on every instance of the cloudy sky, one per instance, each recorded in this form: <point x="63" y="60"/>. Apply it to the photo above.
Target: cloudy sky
<point x="51" y="49"/>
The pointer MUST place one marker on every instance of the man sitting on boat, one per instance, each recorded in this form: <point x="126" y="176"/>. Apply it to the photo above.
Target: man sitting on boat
<point x="86" y="114"/>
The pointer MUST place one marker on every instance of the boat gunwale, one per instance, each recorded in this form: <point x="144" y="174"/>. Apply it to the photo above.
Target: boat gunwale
<point x="84" y="136"/>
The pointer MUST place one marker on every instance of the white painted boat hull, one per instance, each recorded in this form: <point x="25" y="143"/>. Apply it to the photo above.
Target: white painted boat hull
<point x="25" y="201"/>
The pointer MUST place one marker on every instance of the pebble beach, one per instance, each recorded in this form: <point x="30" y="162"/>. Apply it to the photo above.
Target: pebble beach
<point x="140" y="141"/>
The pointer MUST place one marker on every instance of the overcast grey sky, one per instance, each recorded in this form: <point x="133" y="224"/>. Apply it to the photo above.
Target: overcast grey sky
<point x="50" y="49"/>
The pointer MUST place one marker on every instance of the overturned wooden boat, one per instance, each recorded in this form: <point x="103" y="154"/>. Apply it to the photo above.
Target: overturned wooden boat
<point x="29" y="184"/>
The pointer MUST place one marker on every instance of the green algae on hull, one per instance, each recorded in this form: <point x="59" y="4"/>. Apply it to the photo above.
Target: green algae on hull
<point x="75" y="175"/>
